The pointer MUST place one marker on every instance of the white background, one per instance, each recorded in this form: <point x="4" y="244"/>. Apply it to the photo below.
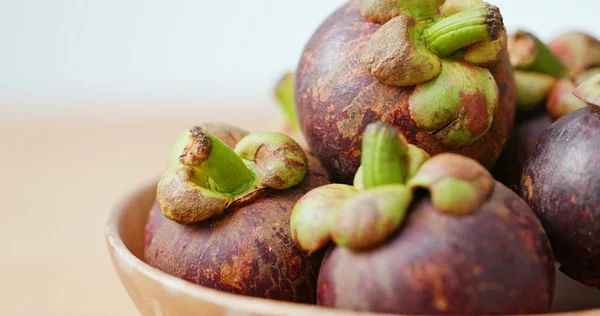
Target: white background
<point x="149" y="55"/>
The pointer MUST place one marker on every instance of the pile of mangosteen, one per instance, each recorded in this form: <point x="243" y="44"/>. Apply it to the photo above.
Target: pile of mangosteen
<point x="432" y="163"/>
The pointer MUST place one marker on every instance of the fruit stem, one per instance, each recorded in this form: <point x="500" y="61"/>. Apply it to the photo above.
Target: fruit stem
<point x="284" y="93"/>
<point x="462" y="29"/>
<point x="384" y="156"/>
<point x="528" y="53"/>
<point x="226" y="171"/>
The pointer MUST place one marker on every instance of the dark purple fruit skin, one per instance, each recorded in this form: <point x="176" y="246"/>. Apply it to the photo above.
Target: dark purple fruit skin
<point x="509" y="168"/>
<point x="561" y="182"/>
<point x="248" y="251"/>
<point x="336" y="98"/>
<point x="497" y="261"/>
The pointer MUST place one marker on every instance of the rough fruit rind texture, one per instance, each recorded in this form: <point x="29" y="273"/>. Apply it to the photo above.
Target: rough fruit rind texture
<point x="498" y="261"/>
<point x="336" y="97"/>
<point x="561" y="182"/>
<point x="248" y="250"/>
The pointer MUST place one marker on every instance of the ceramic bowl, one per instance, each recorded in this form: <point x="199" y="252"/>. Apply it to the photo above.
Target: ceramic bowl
<point x="157" y="293"/>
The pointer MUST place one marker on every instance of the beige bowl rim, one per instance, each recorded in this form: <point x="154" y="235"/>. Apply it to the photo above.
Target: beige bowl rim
<point x="124" y="259"/>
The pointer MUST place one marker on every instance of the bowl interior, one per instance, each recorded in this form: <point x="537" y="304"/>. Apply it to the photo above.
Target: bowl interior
<point x="157" y="293"/>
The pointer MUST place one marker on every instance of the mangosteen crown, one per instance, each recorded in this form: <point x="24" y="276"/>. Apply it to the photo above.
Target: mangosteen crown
<point x="208" y="176"/>
<point x="444" y="49"/>
<point x="526" y="52"/>
<point x="589" y="91"/>
<point x="367" y="214"/>
<point x="537" y="69"/>
<point x="562" y="100"/>
<point x="577" y="52"/>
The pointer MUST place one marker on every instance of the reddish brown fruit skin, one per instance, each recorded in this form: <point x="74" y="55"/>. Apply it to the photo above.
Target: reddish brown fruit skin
<point x="247" y="251"/>
<point x="509" y="168"/>
<point x="497" y="261"/>
<point x="561" y="182"/>
<point x="336" y="98"/>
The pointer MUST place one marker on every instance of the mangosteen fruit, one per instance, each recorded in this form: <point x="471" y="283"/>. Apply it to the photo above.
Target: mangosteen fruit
<point x="437" y="70"/>
<point x="537" y="69"/>
<point x="580" y="52"/>
<point x="561" y="100"/>
<point x="222" y="213"/>
<point x="577" y="50"/>
<point x="528" y="127"/>
<point x="561" y="182"/>
<point x="424" y="235"/>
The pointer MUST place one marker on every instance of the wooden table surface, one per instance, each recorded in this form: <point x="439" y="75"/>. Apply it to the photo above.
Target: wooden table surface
<point x="59" y="179"/>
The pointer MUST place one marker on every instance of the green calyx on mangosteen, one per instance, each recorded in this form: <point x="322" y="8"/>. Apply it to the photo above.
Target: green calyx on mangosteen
<point x="211" y="176"/>
<point x="244" y="245"/>
<point x="544" y="75"/>
<point x="367" y="214"/>
<point x="353" y="218"/>
<point x="537" y="69"/>
<point x="404" y="53"/>
<point x="589" y="91"/>
<point x="561" y="182"/>
<point x="436" y="70"/>
<point x="457" y="185"/>
<point x="580" y="52"/>
<point x="528" y="53"/>
<point x="536" y="72"/>
<point x="562" y="101"/>
<point x="393" y="249"/>
<point x="457" y="115"/>
<point x="532" y="89"/>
